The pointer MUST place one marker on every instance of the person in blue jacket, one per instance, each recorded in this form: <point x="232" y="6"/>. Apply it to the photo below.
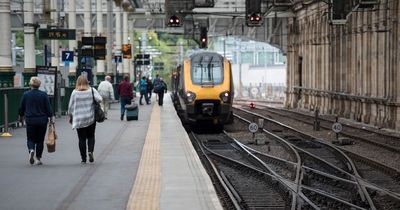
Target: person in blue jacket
<point x="35" y="108"/>
<point x="143" y="90"/>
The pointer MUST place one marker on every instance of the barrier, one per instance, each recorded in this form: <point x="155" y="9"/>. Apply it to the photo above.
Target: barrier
<point x="6" y="132"/>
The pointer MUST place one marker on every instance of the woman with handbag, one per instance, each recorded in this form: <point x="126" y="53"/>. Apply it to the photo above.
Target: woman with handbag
<point x="35" y="108"/>
<point x="82" y="115"/>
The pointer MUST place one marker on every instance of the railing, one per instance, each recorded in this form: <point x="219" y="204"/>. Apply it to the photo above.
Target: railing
<point x="14" y="96"/>
<point x="340" y="95"/>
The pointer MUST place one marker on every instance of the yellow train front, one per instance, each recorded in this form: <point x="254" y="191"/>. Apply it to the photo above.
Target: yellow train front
<point x="204" y="89"/>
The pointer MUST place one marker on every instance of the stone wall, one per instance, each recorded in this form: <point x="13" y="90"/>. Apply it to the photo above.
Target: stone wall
<point x="349" y="70"/>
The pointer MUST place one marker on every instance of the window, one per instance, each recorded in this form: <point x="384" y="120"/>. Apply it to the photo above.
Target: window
<point x="207" y="69"/>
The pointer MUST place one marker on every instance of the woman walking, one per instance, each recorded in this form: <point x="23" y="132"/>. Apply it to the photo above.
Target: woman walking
<point x="81" y="113"/>
<point x="35" y="107"/>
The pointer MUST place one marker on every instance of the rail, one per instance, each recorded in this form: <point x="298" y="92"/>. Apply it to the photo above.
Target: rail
<point x="342" y="95"/>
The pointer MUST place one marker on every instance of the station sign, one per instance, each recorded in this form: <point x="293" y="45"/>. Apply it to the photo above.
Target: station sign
<point x="57" y="34"/>
<point x="127" y="51"/>
<point x="117" y="59"/>
<point x="67" y="56"/>
<point x="87" y="72"/>
<point x="158" y="66"/>
<point x="47" y="77"/>
<point x="142" y="59"/>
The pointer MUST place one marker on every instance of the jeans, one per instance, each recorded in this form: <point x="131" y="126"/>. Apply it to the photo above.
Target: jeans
<point x="83" y="134"/>
<point x="144" y="93"/>
<point x="35" y="138"/>
<point x="124" y="101"/>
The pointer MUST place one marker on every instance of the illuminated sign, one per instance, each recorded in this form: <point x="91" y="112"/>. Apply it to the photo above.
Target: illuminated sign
<point x="57" y="34"/>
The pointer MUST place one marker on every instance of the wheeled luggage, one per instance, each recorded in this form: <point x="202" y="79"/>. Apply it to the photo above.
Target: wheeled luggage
<point x="132" y="112"/>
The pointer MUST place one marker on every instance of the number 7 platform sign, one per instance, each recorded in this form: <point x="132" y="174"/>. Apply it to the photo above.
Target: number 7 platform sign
<point x="67" y="56"/>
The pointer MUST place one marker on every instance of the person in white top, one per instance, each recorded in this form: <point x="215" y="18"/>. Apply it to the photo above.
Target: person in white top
<point x="81" y="115"/>
<point x="107" y="93"/>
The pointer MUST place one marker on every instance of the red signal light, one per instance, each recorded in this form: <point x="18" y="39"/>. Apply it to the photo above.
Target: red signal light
<point x="174" y="21"/>
<point x="252" y="105"/>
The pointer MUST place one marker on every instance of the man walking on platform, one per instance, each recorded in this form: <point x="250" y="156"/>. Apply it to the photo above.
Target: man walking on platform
<point x="107" y="93"/>
<point x="125" y="94"/>
<point x="161" y="88"/>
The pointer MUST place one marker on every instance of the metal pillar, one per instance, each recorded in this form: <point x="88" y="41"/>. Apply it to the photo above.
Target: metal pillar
<point x="6" y="71"/>
<point x="87" y="25"/>
<point x="131" y="41"/>
<point x="72" y="43"/>
<point x="55" y="43"/>
<point x="99" y="16"/>
<point x="110" y="36"/>
<point x="118" y="41"/>
<point x="125" y="35"/>
<point x="29" y="42"/>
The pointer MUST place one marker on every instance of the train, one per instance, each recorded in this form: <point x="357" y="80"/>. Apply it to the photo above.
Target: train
<point x="203" y="89"/>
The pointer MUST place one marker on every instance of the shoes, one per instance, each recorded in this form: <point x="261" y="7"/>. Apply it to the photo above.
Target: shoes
<point x="91" y="158"/>
<point x="83" y="162"/>
<point x="38" y="162"/>
<point x="122" y="117"/>
<point x="141" y="103"/>
<point x="31" y="157"/>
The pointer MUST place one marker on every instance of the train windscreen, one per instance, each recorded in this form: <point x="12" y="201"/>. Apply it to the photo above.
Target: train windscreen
<point x="207" y="69"/>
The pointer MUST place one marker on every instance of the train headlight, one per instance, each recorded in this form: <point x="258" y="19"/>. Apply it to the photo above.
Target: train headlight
<point x="190" y="96"/>
<point x="225" y="96"/>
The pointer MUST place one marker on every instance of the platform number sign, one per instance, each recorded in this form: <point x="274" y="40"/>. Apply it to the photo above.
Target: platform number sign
<point x="337" y="127"/>
<point x="67" y="56"/>
<point x="253" y="127"/>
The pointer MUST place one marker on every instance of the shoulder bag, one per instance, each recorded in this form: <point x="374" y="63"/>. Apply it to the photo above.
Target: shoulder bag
<point x="98" y="112"/>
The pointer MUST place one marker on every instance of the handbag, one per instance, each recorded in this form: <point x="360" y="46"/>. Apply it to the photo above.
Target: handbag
<point x="98" y="112"/>
<point x="51" y="138"/>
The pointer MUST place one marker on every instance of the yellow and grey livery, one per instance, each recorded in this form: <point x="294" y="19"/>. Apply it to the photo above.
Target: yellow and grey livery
<point x="204" y="89"/>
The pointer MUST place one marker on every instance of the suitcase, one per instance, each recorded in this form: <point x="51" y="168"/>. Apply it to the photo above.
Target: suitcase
<point x="132" y="112"/>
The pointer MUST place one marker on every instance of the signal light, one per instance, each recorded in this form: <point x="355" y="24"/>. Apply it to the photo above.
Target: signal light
<point x="254" y="19"/>
<point x="203" y="37"/>
<point x="174" y="21"/>
<point x="252" y="105"/>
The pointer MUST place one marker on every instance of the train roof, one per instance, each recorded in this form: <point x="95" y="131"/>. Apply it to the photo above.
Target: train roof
<point x="208" y="53"/>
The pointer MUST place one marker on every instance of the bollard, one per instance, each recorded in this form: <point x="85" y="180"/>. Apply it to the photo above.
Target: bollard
<point x="316" y="120"/>
<point x="6" y="133"/>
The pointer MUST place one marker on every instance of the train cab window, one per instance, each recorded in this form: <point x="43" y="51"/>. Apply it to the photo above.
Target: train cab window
<point x="207" y="69"/>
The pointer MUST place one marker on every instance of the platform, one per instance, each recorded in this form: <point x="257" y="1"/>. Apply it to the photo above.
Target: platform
<point x="144" y="164"/>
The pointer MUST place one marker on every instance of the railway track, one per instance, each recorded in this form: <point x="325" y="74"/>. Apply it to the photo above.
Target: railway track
<point x="245" y="180"/>
<point x="329" y="170"/>
<point x="240" y="168"/>
<point x="379" y="139"/>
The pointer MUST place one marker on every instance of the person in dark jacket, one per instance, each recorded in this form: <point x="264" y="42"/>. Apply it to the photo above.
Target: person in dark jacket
<point x="125" y="94"/>
<point x="161" y="89"/>
<point x="149" y="89"/>
<point x="35" y="108"/>
<point x="143" y="90"/>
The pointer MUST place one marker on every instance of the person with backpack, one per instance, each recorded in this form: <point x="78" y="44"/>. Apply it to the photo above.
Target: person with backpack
<point x="161" y="88"/>
<point x="143" y="90"/>
<point x="149" y="89"/>
<point x="155" y="82"/>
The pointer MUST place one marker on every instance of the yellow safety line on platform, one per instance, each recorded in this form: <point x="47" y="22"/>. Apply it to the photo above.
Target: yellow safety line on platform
<point x="145" y="193"/>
